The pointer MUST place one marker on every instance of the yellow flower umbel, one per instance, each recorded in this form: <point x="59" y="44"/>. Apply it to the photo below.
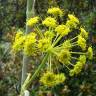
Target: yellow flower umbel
<point x="49" y="34"/>
<point x="82" y="59"/>
<point x="32" y="21"/>
<point x="81" y="42"/>
<point x="19" y="42"/>
<point x="55" y="11"/>
<point x="78" y="66"/>
<point x="62" y="30"/>
<point x="64" y="56"/>
<point x="90" y="53"/>
<point x="67" y="45"/>
<point x="60" y="78"/>
<point x="50" y="79"/>
<point x="72" y="22"/>
<point x="44" y="44"/>
<point x="77" y="69"/>
<point x="30" y="44"/>
<point x="55" y="47"/>
<point x="83" y="33"/>
<point x="49" y="22"/>
<point x="18" y="34"/>
<point x="73" y="18"/>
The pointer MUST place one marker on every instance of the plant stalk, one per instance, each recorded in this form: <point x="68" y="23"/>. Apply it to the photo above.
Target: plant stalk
<point x="29" y="14"/>
<point x="27" y="84"/>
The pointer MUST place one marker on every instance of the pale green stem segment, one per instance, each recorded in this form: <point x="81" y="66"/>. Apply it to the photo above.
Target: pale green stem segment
<point x="58" y="39"/>
<point x="74" y="58"/>
<point x="55" y="38"/>
<point x="78" y="53"/>
<point x="71" y="64"/>
<point x="29" y="14"/>
<point x="67" y="67"/>
<point x="75" y="43"/>
<point x="73" y="38"/>
<point x="50" y="63"/>
<point x="24" y="85"/>
<point x="29" y="81"/>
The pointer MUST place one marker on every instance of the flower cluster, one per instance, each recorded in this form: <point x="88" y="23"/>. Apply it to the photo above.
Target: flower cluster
<point x="90" y="53"/>
<point x="49" y="22"/>
<point x="51" y="79"/>
<point x="81" y="42"/>
<point x="78" y="66"/>
<point x="62" y="30"/>
<point x="19" y="42"/>
<point x="73" y="18"/>
<point x="49" y="35"/>
<point x="48" y="43"/>
<point x="55" y="11"/>
<point x="83" y="33"/>
<point x="67" y="45"/>
<point x="26" y="43"/>
<point x="30" y="44"/>
<point x="32" y="21"/>
<point x="72" y="22"/>
<point x="43" y="44"/>
<point x="64" y="56"/>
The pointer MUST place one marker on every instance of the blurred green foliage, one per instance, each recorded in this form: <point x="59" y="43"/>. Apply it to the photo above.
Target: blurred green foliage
<point x="13" y="14"/>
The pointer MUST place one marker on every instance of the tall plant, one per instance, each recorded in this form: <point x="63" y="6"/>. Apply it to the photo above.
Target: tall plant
<point x="47" y="42"/>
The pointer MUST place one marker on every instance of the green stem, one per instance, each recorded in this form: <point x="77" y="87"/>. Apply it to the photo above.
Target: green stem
<point x="74" y="43"/>
<point x="50" y="63"/>
<point x="73" y="38"/>
<point x="54" y="52"/>
<point x="78" y="53"/>
<point x="37" y="71"/>
<point x="25" y="82"/>
<point x="55" y="38"/>
<point x="59" y="45"/>
<point x="58" y="39"/>
<point x="67" y="67"/>
<point x="74" y="58"/>
<point x="71" y="64"/>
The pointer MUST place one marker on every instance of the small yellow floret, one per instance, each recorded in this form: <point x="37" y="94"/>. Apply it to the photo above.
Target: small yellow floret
<point x="55" y="11"/>
<point x="64" y="56"/>
<point x="30" y="44"/>
<point x="77" y="69"/>
<point x="50" y="79"/>
<point x="62" y="30"/>
<point x="32" y="21"/>
<point x="81" y="42"/>
<point x="49" y="34"/>
<point x="44" y="44"/>
<point x="71" y="24"/>
<point x="73" y="18"/>
<point x="82" y="59"/>
<point x="60" y="78"/>
<point x="67" y="44"/>
<point x="83" y="33"/>
<point x="18" y="34"/>
<point x="90" y="53"/>
<point x="19" y="42"/>
<point x="49" y="22"/>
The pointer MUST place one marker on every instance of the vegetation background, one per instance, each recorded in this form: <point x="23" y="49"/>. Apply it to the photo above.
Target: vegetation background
<point x="13" y="17"/>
